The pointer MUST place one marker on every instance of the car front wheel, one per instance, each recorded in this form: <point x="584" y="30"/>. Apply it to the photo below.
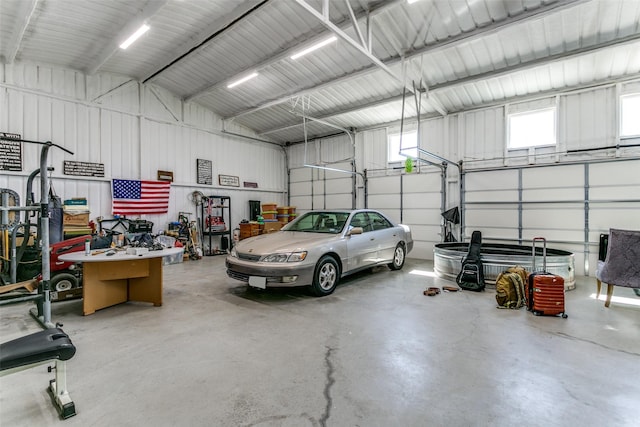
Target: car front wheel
<point x="325" y="277"/>
<point x="398" y="258"/>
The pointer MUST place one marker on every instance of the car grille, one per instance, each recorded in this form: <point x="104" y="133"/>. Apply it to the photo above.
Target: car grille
<point x="238" y="276"/>
<point x="245" y="277"/>
<point x="249" y="257"/>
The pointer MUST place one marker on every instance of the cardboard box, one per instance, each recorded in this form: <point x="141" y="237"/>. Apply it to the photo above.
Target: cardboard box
<point x="270" y="227"/>
<point x="72" y="218"/>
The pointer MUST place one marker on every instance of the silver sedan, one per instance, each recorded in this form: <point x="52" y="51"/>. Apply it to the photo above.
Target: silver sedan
<point x="319" y="248"/>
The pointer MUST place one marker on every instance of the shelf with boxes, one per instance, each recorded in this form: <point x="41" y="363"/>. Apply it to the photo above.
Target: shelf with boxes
<point x="272" y="218"/>
<point x="215" y="215"/>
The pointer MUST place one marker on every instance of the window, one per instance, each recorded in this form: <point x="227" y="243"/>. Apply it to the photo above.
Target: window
<point x="409" y="146"/>
<point x="630" y="115"/>
<point x="378" y="221"/>
<point x="532" y="129"/>
<point x="361" y="219"/>
<point x="319" y="222"/>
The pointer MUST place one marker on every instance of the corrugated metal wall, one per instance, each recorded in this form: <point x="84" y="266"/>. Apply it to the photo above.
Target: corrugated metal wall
<point x="134" y="130"/>
<point x="557" y="192"/>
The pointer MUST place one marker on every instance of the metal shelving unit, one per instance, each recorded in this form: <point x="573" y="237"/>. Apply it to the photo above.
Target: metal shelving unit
<point x="215" y="217"/>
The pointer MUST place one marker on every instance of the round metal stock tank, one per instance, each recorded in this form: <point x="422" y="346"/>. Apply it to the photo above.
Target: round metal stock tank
<point x="496" y="258"/>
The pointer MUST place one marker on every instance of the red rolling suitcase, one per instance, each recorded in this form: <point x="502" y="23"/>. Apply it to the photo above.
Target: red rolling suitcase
<point x="545" y="291"/>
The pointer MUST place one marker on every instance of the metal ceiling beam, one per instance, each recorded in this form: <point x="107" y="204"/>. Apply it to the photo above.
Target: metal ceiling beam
<point x="469" y="36"/>
<point x="150" y="9"/>
<point x="27" y="12"/>
<point x="273" y="59"/>
<point x="213" y="30"/>
<point x="324" y="19"/>
<point x="635" y="38"/>
<point x="332" y="115"/>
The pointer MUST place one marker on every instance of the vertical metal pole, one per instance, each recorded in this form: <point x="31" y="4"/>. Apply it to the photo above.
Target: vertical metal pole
<point x="312" y="172"/>
<point x="44" y="227"/>
<point x="354" y="184"/>
<point x="401" y="196"/>
<point x="586" y="219"/>
<point x="404" y="94"/>
<point x="443" y="199"/>
<point x="520" y="206"/>
<point x="324" y="189"/>
<point x="366" y="190"/>
<point x="5" y="214"/>
<point x="462" y="201"/>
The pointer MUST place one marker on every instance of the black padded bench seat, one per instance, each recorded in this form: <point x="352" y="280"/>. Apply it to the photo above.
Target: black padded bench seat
<point x="50" y="344"/>
<point x="39" y="348"/>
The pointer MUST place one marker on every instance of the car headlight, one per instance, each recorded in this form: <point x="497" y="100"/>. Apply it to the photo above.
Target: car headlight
<point x="285" y="257"/>
<point x="297" y="256"/>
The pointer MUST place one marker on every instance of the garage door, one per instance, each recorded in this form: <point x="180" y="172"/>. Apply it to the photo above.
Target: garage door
<point x="316" y="188"/>
<point x="414" y="200"/>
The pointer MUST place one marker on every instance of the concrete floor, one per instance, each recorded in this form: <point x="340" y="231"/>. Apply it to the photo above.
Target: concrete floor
<point x="375" y="353"/>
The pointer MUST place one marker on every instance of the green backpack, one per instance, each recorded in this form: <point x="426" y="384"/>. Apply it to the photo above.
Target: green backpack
<point x="510" y="288"/>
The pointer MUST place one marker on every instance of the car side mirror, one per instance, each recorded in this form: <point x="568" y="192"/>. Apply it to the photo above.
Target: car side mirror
<point x="355" y="230"/>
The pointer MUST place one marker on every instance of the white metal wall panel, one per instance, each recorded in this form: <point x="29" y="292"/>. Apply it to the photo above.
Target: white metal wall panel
<point x="588" y="119"/>
<point x="61" y="82"/>
<point x="114" y="91"/>
<point x="371" y="151"/>
<point x="161" y="105"/>
<point x="108" y="129"/>
<point x="484" y="132"/>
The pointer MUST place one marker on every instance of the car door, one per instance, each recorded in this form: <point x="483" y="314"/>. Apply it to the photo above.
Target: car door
<point x="361" y="248"/>
<point x="385" y="235"/>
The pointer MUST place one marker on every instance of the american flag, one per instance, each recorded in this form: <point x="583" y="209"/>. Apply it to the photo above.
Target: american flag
<point x="140" y="197"/>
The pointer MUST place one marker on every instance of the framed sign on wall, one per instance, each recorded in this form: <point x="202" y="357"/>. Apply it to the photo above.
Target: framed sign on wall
<point x="229" y="181"/>
<point x="205" y="171"/>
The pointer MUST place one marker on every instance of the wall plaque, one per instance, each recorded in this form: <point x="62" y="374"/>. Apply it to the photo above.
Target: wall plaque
<point x="165" y="176"/>
<point x="10" y="152"/>
<point x="83" y="169"/>
<point x="229" y="181"/>
<point x="205" y="171"/>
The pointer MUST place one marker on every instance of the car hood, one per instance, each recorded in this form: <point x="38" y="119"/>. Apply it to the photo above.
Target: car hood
<point x="283" y="241"/>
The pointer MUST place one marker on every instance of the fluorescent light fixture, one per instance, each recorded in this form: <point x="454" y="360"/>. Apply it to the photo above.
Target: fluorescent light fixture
<point x="412" y="1"/>
<point x="135" y="36"/>
<point x="242" y="80"/>
<point x="314" y="47"/>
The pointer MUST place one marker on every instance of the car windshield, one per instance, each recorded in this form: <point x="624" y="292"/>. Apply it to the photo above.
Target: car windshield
<point x="320" y="222"/>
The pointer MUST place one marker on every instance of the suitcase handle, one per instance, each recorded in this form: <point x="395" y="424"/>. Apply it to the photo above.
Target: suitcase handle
<point x="544" y="253"/>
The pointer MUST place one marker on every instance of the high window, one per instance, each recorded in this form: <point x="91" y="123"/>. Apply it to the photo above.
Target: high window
<point x="532" y="128"/>
<point x="409" y="146"/>
<point x="630" y="115"/>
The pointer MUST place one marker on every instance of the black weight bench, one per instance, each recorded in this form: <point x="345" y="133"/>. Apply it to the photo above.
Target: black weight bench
<point x="50" y="345"/>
